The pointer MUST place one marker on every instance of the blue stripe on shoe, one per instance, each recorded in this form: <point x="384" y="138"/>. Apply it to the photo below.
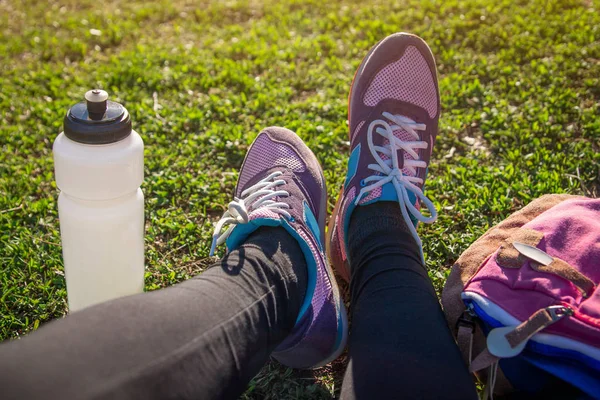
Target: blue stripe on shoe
<point x="346" y="222"/>
<point x="352" y="165"/>
<point x="313" y="225"/>
<point x="311" y="264"/>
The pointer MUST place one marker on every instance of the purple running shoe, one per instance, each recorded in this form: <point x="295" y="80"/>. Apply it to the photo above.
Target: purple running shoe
<point x="393" y="112"/>
<point x="281" y="184"/>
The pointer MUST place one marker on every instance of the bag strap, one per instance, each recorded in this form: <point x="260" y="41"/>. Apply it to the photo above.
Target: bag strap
<point x="563" y="269"/>
<point x="464" y="337"/>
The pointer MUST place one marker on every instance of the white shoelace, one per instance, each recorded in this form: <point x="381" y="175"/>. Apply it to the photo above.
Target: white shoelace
<point x="261" y="195"/>
<point x="390" y="171"/>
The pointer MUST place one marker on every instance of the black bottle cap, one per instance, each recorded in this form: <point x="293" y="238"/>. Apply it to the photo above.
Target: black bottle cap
<point x="97" y="120"/>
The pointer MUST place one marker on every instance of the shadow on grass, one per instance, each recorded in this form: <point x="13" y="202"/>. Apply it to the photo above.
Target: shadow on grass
<point x="276" y="381"/>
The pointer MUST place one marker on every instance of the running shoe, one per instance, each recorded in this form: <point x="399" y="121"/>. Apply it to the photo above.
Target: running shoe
<point x="281" y="184"/>
<point x="393" y="112"/>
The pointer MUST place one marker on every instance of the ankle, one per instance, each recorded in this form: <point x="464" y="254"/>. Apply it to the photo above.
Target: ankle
<point x="281" y="253"/>
<point x="379" y="229"/>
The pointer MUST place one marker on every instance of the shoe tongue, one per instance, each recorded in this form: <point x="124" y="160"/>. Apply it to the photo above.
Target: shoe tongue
<point x="257" y="177"/>
<point x="290" y="186"/>
<point x="405" y="137"/>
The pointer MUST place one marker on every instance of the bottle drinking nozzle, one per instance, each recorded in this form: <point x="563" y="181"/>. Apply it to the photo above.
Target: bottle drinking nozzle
<point x="96" y="102"/>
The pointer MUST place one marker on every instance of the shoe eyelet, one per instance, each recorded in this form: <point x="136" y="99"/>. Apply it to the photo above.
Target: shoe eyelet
<point x="363" y="183"/>
<point x="292" y="219"/>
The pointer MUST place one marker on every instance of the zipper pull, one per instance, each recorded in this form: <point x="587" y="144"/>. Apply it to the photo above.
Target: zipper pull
<point x="509" y="341"/>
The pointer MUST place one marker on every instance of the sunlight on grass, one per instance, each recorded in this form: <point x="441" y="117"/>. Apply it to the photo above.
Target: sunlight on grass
<point x="520" y="96"/>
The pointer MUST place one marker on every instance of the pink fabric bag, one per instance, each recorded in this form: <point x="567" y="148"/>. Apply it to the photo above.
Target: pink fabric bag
<point x="524" y="298"/>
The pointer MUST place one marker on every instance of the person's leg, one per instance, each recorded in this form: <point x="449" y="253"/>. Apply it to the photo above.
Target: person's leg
<point x="202" y="338"/>
<point x="273" y="294"/>
<point x="400" y="345"/>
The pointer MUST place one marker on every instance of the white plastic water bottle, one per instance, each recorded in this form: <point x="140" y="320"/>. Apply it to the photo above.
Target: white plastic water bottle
<point x="99" y="167"/>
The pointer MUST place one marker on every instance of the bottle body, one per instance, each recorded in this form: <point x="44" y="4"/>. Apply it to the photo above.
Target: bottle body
<point x="101" y="214"/>
<point x="103" y="247"/>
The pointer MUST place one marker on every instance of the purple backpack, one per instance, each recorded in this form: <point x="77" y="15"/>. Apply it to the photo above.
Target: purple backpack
<point x="524" y="301"/>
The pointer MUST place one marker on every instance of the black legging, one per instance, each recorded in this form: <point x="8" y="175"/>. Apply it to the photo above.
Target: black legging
<point x="205" y="338"/>
<point x="400" y="345"/>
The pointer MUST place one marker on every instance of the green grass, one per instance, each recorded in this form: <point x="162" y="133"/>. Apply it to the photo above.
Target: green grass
<point x="520" y="94"/>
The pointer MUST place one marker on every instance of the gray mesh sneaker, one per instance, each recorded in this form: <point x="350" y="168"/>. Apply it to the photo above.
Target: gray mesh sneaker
<point x="281" y="184"/>
<point x="394" y="107"/>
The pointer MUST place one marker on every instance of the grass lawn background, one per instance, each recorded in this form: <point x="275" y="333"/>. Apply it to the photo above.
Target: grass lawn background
<point x="520" y="94"/>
